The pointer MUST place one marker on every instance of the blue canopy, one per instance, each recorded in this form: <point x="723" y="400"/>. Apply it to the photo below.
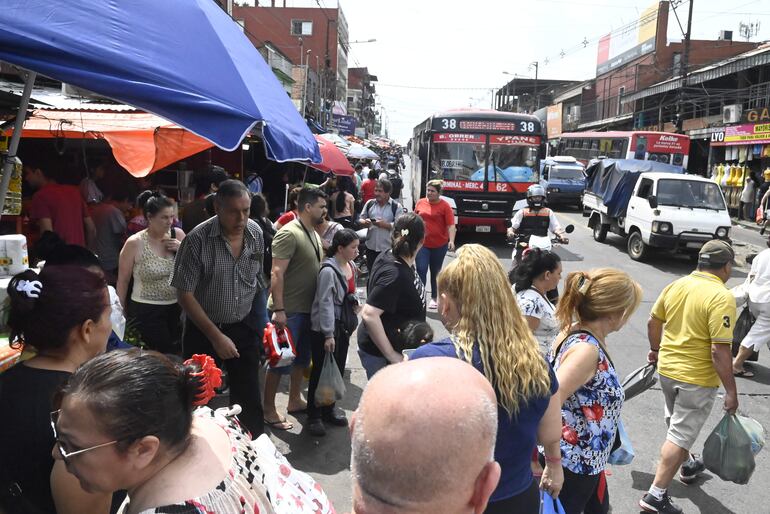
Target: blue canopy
<point x="184" y="60"/>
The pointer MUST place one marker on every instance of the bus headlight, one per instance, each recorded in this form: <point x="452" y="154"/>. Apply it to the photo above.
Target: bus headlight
<point x="662" y="227"/>
<point x="723" y="232"/>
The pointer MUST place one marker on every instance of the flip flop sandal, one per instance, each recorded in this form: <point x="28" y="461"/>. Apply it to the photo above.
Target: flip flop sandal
<point x="281" y="424"/>
<point x="745" y="373"/>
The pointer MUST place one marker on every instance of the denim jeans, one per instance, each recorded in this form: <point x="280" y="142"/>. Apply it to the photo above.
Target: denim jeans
<point x="371" y="363"/>
<point x="432" y="258"/>
<point x="298" y="324"/>
<point x="258" y="314"/>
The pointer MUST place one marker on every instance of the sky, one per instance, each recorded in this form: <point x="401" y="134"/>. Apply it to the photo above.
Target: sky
<point x="432" y="55"/>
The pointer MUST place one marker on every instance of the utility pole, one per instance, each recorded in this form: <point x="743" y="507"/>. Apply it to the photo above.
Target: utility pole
<point x="536" y="64"/>
<point x="679" y="120"/>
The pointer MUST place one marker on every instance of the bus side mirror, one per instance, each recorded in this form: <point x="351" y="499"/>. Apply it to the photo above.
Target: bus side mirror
<point x="653" y="201"/>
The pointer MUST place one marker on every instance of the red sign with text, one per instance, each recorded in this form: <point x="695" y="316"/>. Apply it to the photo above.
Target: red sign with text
<point x="459" y="138"/>
<point x="664" y="143"/>
<point x="492" y="187"/>
<point x="514" y="140"/>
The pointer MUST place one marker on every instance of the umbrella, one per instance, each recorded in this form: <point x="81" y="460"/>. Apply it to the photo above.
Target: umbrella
<point x="356" y="151"/>
<point x="184" y="60"/>
<point x="336" y="139"/>
<point x="334" y="160"/>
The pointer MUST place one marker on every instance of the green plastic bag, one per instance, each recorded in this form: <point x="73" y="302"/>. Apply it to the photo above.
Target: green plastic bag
<point x="727" y="451"/>
<point x="755" y="431"/>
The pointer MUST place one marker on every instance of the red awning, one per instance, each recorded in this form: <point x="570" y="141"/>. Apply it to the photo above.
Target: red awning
<point x="333" y="160"/>
<point x="142" y="143"/>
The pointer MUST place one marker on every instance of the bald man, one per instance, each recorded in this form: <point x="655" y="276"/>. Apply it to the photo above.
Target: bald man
<point x="421" y="444"/>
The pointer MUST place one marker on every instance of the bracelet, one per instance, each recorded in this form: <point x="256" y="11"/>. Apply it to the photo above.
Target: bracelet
<point x="654" y="350"/>
<point x="554" y="460"/>
<point x="279" y="310"/>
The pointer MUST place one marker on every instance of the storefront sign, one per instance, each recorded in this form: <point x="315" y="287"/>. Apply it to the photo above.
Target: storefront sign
<point x="553" y="120"/>
<point x="748" y="134"/>
<point x="345" y="125"/>
<point x="759" y="115"/>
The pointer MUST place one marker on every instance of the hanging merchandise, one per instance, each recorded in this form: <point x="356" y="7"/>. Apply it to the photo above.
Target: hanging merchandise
<point x="726" y="176"/>
<point x="766" y="151"/>
<point x="743" y="152"/>
<point x="719" y="172"/>
<point x="756" y="150"/>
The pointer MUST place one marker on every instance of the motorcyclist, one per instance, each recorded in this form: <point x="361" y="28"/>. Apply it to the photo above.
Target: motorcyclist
<point x="536" y="219"/>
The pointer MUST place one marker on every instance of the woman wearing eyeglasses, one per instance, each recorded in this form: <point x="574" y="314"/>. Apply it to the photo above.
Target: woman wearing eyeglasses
<point x="62" y="317"/>
<point x="127" y="420"/>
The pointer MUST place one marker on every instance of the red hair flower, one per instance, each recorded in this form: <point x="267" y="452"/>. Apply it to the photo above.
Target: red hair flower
<point x="210" y="375"/>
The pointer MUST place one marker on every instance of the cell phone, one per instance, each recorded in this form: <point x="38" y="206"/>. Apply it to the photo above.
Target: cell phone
<point x="408" y="353"/>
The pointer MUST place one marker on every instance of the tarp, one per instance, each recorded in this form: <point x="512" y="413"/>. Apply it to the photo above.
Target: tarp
<point x="184" y="60"/>
<point x="142" y="143"/>
<point x="614" y="180"/>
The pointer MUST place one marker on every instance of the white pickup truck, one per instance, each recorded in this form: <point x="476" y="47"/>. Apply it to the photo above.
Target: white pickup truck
<point x="653" y="209"/>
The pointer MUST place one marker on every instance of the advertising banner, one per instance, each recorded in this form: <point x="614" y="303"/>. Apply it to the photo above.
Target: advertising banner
<point x="629" y="42"/>
<point x="553" y="120"/>
<point x="748" y="134"/>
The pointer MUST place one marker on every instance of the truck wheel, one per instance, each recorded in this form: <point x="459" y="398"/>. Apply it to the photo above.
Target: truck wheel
<point x="600" y="232"/>
<point x="637" y="248"/>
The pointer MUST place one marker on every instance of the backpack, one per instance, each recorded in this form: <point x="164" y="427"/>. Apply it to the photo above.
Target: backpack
<point x="348" y="321"/>
<point x="254" y="183"/>
<point x="394" y="205"/>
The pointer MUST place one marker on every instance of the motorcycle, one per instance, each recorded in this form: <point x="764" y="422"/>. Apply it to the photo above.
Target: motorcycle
<point x="522" y="242"/>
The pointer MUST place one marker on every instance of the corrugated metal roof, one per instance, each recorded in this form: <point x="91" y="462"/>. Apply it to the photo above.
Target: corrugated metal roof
<point x="52" y="98"/>
<point x="757" y="57"/>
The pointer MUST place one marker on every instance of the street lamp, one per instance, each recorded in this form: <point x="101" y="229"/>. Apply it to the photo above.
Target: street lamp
<point x="304" y="80"/>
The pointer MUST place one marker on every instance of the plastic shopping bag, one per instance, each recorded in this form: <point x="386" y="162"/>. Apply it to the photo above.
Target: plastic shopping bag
<point x="625" y="453"/>
<point x="291" y="491"/>
<point x="755" y="431"/>
<point x="760" y="215"/>
<point x="549" y="504"/>
<point x="330" y="386"/>
<point x="279" y="346"/>
<point x="727" y="451"/>
<point x="639" y="380"/>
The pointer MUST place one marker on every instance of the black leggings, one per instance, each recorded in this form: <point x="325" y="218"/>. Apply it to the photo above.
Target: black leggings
<point x="526" y="502"/>
<point x="341" y="344"/>
<point x="584" y="493"/>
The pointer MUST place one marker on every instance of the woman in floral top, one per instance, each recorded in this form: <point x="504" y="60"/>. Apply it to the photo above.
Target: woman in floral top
<point x="594" y="305"/>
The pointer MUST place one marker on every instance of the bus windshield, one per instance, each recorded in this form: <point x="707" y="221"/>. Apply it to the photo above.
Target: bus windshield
<point x="510" y="163"/>
<point x="456" y="161"/>
<point x="690" y="193"/>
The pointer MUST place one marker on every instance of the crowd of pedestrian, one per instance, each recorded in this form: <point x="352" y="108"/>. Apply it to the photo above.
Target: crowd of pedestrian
<point x="538" y="408"/>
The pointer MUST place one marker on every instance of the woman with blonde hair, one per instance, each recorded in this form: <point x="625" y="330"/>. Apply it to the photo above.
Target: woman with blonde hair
<point x="499" y="344"/>
<point x="595" y="304"/>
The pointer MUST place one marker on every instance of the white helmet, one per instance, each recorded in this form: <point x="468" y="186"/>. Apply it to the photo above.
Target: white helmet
<point x="535" y="191"/>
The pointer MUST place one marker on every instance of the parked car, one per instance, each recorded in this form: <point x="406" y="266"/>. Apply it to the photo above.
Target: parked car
<point x="654" y="205"/>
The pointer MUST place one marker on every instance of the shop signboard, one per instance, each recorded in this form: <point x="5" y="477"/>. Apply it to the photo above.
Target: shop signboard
<point x="746" y="134"/>
<point x="758" y="115"/>
<point x="345" y="125"/>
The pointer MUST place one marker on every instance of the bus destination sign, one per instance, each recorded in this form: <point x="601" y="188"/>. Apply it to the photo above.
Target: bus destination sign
<point x="496" y="126"/>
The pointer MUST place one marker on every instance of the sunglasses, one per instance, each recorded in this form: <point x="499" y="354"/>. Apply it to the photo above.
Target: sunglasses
<point x="66" y="455"/>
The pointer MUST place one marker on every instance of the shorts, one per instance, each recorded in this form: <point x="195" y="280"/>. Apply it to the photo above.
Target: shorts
<point x="759" y="333"/>
<point x="298" y="324"/>
<point x="686" y="410"/>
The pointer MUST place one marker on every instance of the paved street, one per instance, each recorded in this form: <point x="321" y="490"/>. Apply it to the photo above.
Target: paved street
<point x="327" y="459"/>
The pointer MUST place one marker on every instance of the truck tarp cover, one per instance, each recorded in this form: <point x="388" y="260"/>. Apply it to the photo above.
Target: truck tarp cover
<point x="614" y="180"/>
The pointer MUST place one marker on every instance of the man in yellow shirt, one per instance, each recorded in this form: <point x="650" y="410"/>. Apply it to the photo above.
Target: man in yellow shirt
<point x="690" y="332"/>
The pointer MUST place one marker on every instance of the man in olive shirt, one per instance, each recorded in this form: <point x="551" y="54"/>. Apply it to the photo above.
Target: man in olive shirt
<point x="297" y="255"/>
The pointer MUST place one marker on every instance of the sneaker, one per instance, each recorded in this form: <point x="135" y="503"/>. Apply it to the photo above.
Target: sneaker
<point x="432" y="305"/>
<point x="649" y="503"/>
<point x="691" y="469"/>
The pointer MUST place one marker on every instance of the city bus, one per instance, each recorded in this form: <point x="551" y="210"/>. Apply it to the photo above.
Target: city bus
<point x="662" y="147"/>
<point x="486" y="159"/>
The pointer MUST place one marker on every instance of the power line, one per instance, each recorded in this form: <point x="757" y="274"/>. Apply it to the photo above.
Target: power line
<point x="436" y="88"/>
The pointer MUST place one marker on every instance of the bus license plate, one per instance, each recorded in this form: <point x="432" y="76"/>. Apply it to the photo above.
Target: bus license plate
<point x="483" y="228"/>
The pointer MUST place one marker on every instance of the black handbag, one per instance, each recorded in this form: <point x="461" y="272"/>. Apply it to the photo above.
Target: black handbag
<point x="742" y="326"/>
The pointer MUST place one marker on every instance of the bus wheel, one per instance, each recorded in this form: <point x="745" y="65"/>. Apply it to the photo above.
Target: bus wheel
<point x="600" y="232"/>
<point x="637" y="248"/>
